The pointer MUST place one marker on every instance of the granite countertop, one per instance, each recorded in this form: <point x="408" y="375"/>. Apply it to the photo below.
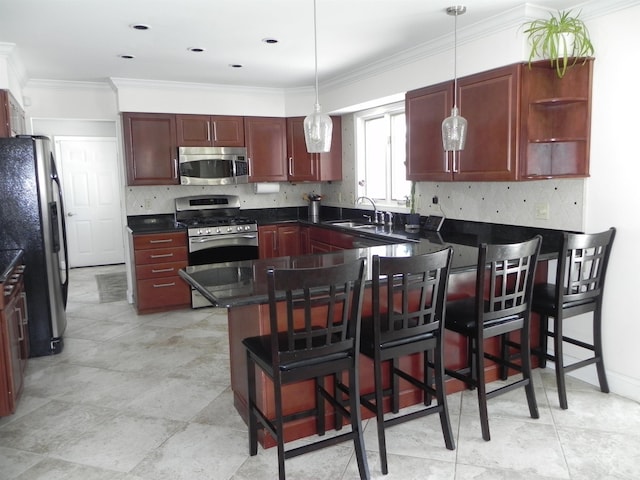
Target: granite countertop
<point x="161" y="223"/>
<point x="244" y="283"/>
<point x="9" y="259"/>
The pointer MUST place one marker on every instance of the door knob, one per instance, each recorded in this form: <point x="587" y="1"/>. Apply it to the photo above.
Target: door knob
<point x="70" y="214"/>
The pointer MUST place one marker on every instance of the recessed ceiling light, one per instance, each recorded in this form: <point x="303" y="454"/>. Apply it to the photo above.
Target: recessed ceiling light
<point x="196" y="49"/>
<point x="140" y="26"/>
<point x="126" y="56"/>
<point x="235" y="65"/>
<point x="270" y="40"/>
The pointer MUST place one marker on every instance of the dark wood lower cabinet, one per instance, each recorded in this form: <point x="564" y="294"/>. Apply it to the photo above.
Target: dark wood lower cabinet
<point x="14" y="340"/>
<point x="279" y="240"/>
<point x="253" y="320"/>
<point x="157" y="259"/>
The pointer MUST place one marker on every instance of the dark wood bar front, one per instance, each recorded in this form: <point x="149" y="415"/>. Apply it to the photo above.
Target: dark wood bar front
<point x="250" y="320"/>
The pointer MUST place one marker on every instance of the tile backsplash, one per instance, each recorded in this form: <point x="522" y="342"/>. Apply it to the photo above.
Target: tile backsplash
<point x="160" y="199"/>
<point x="515" y="203"/>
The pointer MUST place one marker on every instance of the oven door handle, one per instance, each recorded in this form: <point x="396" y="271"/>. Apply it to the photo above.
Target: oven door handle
<point x="221" y="238"/>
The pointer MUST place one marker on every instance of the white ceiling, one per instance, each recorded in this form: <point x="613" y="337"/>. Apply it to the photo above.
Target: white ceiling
<point x="81" y="40"/>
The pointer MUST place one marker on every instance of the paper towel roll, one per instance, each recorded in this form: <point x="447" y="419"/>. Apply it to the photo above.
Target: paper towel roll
<point x="266" y="187"/>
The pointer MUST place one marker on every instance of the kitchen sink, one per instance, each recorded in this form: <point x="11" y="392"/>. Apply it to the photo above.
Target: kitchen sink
<point x="356" y="225"/>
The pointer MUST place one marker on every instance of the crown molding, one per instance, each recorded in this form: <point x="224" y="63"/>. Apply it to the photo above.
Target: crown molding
<point x="65" y="84"/>
<point x="9" y="52"/>
<point x="118" y="83"/>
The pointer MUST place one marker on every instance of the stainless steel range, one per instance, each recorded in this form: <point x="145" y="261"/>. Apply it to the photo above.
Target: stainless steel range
<point x="216" y="232"/>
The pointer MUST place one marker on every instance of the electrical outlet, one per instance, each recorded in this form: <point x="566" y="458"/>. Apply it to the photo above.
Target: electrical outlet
<point x="542" y="211"/>
<point x="147" y="204"/>
<point x="435" y="200"/>
<point x="339" y="197"/>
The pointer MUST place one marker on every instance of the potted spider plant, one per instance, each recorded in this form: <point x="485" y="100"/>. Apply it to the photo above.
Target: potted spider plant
<point x="562" y="39"/>
<point x="413" y="219"/>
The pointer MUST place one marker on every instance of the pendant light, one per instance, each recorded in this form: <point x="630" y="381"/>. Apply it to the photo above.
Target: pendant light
<point x="454" y="128"/>
<point x="317" y="126"/>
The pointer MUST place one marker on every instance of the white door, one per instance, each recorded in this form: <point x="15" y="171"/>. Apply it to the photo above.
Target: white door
<point x="91" y="191"/>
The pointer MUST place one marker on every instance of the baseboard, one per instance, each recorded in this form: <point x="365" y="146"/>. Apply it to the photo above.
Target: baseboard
<point x="619" y="384"/>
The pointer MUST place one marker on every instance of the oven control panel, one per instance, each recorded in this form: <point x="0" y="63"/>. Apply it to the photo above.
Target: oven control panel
<point x="222" y="230"/>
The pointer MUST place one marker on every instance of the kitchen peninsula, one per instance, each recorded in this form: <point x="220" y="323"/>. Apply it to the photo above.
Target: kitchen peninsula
<point x="242" y="288"/>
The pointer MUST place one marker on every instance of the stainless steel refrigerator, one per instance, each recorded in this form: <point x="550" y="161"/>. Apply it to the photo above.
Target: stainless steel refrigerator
<point x="32" y="218"/>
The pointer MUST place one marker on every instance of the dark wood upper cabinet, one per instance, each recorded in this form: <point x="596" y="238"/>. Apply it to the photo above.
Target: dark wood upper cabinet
<point x="313" y="167"/>
<point x="12" y="118"/>
<point x="210" y="130"/>
<point x="523" y="123"/>
<point x="556" y="121"/>
<point x="266" y="141"/>
<point x="425" y="109"/>
<point x="150" y="148"/>
<point x="489" y="102"/>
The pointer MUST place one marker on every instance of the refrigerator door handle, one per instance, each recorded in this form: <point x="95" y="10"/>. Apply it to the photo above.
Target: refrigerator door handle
<point x="56" y="180"/>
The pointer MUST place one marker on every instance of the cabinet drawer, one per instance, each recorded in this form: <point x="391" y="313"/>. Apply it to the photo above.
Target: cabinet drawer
<point x="160" y="240"/>
<point x="159" y="270"/>
<point x="160" y="293"/>
<point x="161" y="255"/>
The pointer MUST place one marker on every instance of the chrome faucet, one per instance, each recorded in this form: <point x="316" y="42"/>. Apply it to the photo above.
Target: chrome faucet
<point x="375" y="209"/>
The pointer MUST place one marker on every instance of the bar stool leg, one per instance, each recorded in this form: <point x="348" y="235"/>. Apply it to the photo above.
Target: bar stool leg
<point x="597" y="346"/>
<point x="559" y="359"/>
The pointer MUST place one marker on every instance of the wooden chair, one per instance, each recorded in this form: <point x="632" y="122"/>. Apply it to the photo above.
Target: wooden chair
<point x="316" y="334"/>
<point x="409" y="296"/>
<point x="502" y="304"/>
<point x="578" y="289"/>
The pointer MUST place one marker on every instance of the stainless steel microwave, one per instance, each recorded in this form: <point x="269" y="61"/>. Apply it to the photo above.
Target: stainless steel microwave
<point x="213" y="165"/>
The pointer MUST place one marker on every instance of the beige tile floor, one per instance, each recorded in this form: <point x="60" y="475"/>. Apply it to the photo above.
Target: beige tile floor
<point x="147" y="397"/>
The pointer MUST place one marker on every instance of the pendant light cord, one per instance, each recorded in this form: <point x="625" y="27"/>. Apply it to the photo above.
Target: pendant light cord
<point x="455" y="59"/>
<point x="315" y="49"/>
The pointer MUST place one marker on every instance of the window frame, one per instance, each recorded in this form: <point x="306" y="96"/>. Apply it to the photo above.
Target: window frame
<point x="361" y="117"/>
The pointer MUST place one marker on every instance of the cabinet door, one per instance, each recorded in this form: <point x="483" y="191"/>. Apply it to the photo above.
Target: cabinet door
<point x="330" y="163"/>
<point x="306" y="167"/>
<point x="489" y="102"/>
<point x="193" y="130"/>
<point x="266" y="148"/>
<point x="302" y="164"/>
<point x="5" y="115"/>
<point x="12" y="121"/>
<point x="305" y="239"/>
<point x="150" y="148"/>
<point x="268" y="241"/>
<point x="319" y="247"/>
<point x="425" y="110"/>
<point x="227" y="131"/>
<point x="288" y="240"/>
<point x="165" y="293"/>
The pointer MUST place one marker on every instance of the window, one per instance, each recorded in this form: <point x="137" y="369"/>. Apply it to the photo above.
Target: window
<point x="380" y="155"/>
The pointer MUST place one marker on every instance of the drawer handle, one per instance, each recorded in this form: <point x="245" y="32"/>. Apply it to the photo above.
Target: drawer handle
<point x="162" y="270"/>
<point x="165" y="240"/>
<point x="164" y="255"/>
<point x="163" y="285"/>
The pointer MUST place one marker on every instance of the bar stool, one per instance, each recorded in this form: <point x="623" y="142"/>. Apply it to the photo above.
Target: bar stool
<point x="578" y="289"/>
<point x="502" y="304"/>
<point x="316" y="334"/>
<point x="412" y="293"/>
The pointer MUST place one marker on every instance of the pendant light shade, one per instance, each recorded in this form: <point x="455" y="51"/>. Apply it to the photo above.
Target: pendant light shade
<point x="454" y="128"/>
<point x="317" y="131"/>
<point x="318" y="126"/>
